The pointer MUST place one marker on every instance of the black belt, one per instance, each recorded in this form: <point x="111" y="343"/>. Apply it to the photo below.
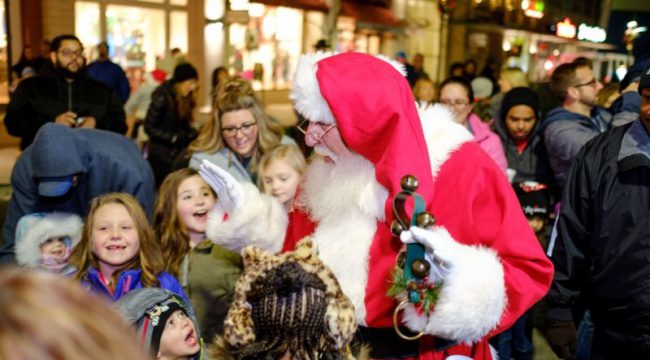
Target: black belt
<point x="384" y="343"/>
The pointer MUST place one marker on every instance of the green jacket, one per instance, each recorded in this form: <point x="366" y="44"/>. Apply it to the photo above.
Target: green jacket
<point x="208" y="275"/>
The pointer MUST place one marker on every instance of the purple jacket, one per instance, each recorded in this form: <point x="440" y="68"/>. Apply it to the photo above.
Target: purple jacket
<point x="488" y="140"/>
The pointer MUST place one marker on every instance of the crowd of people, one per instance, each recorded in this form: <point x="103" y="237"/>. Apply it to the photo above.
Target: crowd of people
<point x="226" y="241"/>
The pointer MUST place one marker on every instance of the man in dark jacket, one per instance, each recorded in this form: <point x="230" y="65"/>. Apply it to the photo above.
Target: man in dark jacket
<point x="601" y="241"/>
<point x="67" y="97"/>
<point x="109" y="73"/>
<point x="64" y="169"/>
<point x="568" y="127"/>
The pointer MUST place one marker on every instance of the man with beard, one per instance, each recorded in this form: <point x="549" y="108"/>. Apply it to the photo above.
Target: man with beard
<point x="363" y="121"/>
<point x="67" y="97"/>
<point x="577" y="120"/>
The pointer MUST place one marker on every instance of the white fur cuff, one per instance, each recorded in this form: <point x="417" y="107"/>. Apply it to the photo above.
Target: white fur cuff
<point x="261" y="221"/>
<point x="471" y="300"/>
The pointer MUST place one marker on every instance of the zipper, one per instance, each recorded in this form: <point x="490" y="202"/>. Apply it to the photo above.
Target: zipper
<point x="69" y="97"/>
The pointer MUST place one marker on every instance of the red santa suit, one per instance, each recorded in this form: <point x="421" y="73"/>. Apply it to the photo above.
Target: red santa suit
<point x="498" y="270"/>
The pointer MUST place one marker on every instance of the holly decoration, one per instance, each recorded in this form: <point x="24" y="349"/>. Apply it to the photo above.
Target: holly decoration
<point x="428" y="292"/>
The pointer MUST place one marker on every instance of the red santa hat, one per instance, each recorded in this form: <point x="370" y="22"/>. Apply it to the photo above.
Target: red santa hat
<point x="371" y="102"/>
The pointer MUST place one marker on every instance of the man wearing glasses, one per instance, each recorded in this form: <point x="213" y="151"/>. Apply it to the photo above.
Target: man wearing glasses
<point x="577" y="120"/>
<point x="67" y="97"/>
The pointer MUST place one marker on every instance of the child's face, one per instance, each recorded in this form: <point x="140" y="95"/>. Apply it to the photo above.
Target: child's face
<point x="281" y="181"/>
<point x="54" y="247"/>
<point x="179" y="338"/>
<point x="536" y="223"/>
<point x="194" y="201"/>
<point x="114" y="236"/>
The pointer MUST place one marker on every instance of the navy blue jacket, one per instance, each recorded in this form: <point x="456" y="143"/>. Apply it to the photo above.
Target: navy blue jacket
<point x="111" y="75"/>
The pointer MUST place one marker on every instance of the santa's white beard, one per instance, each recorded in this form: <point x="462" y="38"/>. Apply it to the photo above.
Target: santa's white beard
<point x="346" y="202"/>
<point x="348" y="184"/>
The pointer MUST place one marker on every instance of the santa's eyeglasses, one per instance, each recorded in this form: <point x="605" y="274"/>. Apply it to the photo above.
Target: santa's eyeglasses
<point x="317" y="136"/>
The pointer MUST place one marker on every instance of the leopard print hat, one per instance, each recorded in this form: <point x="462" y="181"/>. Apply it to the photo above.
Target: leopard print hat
<point x="288" y="302"/>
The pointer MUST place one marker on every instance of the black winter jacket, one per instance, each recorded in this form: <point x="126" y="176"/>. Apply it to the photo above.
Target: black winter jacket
<point x="162" y="123"/>
<point x="601" y="243"/>
<point x="39" y="100"/>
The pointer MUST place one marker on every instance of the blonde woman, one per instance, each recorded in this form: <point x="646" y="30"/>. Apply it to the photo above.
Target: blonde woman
<point x="240" y="134"/>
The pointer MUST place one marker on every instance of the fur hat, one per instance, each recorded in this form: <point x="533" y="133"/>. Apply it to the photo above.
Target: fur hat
<point x="35" y="229"/>
<point x="287" y="302"/>
<point x="148" y="309"/>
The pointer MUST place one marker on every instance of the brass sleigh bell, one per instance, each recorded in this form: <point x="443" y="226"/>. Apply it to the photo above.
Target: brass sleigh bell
<point x="409" y="183"/>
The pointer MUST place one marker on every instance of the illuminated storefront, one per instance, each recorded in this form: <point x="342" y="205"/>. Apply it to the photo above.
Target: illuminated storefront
<point x="140" y="34"/>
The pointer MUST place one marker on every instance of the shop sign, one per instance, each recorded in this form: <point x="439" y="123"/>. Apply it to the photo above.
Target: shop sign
<point x="591" y="33"/>
<point x="533" y="8"/>
<point x="565" y="29"/>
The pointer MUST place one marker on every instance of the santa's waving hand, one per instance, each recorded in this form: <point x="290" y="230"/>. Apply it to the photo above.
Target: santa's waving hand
<point x="364" y="123"/>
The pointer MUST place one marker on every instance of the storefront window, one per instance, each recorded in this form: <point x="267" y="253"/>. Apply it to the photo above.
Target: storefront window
<point x="87" y="25"/>
<point x="266" y="49"/>
<point x="178" y="30"/>
<point x="136" y="35"/>
<point x="4" y="61"/>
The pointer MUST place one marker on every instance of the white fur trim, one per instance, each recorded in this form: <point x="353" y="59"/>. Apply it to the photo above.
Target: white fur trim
<point x="397" y="65"/>
<point x="53" y="225"/>
<point x="305" y="91"/>
<point x="472" y="298"/>
<point x="262" y="222"/>
<point x="442" y="134"/>
<point x="347" y="202"/>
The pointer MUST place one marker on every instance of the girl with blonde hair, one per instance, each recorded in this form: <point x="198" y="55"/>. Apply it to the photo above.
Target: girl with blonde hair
<point x="206" y="271"/>
<point x="280" y="173"/>
<point x="239" y="135"/>
<point x="117" y="252"/>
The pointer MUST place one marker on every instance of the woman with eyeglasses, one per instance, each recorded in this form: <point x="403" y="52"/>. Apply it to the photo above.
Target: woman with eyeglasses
<point x="457" y="95"/>
<point x="240" y="134"/>
<point x="169" y="120"/>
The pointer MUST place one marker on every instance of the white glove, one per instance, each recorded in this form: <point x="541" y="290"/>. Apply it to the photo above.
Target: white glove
<point x="439" y="249"/>
<point x="229" y="191"/>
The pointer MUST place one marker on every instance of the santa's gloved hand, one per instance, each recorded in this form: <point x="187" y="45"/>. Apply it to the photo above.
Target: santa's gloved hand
<point x="440" y="249"/>
<point x="229" y="191"/>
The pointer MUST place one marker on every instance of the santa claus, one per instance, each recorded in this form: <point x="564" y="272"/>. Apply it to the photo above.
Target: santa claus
<point x="364" y="123"/>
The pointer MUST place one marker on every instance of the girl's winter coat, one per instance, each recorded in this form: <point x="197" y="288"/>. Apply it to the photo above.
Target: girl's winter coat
<point x="128" y="280"/>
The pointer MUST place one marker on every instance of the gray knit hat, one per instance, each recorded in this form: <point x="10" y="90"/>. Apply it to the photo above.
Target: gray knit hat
<point x="148" y="309"/>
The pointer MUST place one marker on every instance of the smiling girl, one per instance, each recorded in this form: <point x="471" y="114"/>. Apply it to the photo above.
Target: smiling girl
<point x="207" y="271"/>
<point x="117" y="252"/>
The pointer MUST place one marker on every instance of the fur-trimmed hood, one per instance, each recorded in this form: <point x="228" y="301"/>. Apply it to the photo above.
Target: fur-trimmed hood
<point x="34" y="229"/>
